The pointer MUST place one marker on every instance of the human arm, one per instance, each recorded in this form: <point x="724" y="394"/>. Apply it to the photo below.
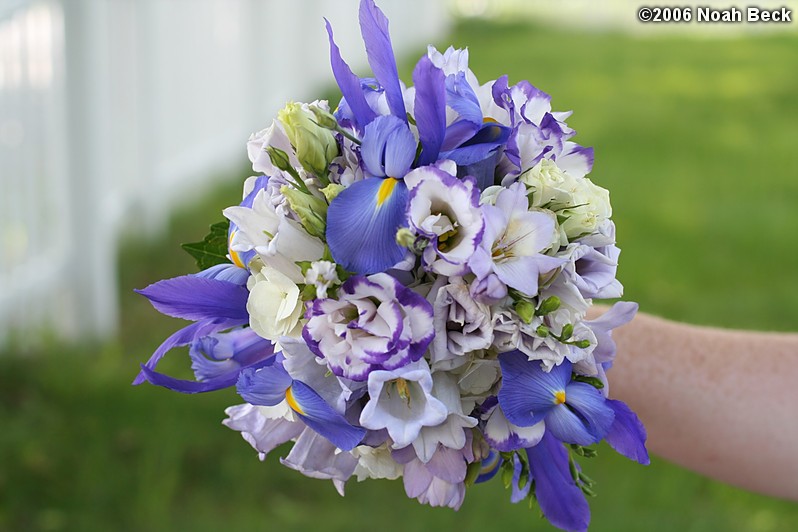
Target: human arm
<point x="721" y="402"/>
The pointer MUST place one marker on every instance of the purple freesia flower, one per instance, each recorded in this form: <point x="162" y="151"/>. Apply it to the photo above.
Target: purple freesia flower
<point x="593" y="270"/>
<point x="574" y="412"/>
<point x="376" y="323"/>
<point x="513" y="241"/>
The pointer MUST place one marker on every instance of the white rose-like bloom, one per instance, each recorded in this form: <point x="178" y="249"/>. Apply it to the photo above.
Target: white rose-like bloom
<point x="585" y="205"/>
<point x="274" y="306"/>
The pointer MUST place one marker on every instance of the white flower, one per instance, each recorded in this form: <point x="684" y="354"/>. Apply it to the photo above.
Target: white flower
<point x="279" y="241"/>
<point x="275" y="136"/>
<point x="375" y="462"/>
<point x="401" y="402"/>
<point x="322" y="274"/>
<point x="584" y="205"/>
<point x="274" y="306"/>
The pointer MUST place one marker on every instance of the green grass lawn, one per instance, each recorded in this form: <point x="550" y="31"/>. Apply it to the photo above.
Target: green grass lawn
<point x="696" y="141"/>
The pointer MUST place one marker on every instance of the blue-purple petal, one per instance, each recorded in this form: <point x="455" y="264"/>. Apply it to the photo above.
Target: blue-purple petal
<point x="322" y="418"/>
<point x="627" y="434"/>
<point x="265" y="386"/>
<point x="560" y="499"/>
<point x="349" y="84"/>
<point x="197" y="298"/>
<point x="430" y="109"/>
<point x="527" y="392"/>
<point x="374" y="28"/>
<point x="388" y="148"/>
<point x="565" y="425"/>
<point x="591" y="406"/>
<point x="182" y="337"/>
<point x="223" y="380"/>
<point x="361" y="232"/>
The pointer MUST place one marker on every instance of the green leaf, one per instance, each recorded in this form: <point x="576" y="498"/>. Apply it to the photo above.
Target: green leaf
<point x="213" y="248"/>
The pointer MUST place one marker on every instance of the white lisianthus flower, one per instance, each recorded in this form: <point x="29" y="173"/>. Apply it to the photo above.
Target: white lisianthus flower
<point x="274" y="305"/>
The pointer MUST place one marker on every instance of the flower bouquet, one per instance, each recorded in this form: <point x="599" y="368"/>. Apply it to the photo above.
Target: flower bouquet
<point x="403" y="290"/>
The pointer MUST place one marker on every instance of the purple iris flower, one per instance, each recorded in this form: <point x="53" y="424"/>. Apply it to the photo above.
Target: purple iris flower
<point x="220" y="353"/>
<point x="272" y="385"/>
<point x="560" y="499"/>
<point x="216" y="300"/>
<point x="574" y="412"/>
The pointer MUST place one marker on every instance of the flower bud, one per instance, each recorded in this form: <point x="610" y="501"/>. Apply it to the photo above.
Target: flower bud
<point x="315" y="146"/>
<point x="311" y="210"/>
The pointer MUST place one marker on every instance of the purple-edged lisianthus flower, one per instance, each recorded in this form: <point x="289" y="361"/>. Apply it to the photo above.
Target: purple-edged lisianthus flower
<point x="462" y="325"/>
<point x="401" y="402"/>
<point x="445" y="210"/>
<point x="574" y="412"/>
<point x="593" y="270"/>
<point x="513" y="241"/>
<point x="376" y="323"/>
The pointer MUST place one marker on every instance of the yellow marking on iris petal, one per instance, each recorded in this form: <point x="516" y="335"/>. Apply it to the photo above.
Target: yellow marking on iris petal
<point x="234" y="254"/>
<point x="289" y="397"/>
<point x="385" y="190"/>
<point x="559" y="397"/>
<point x="489" y="119"/>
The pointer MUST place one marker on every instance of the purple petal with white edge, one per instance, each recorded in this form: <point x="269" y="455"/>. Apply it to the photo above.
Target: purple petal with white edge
<point x="263" y="433"/>
<point x="182" y="337"/>
<point x="266" y="386"/>
<point x="362" y="222"/>
<point x="627" y="434"/>
<point x="349" y="84"/>
<point x="575" y="159"/>
<point x="198" y="298"/>
<point x="322" y="418"/>
<point x="560" y="499"/>
<point x="374" y="29"/>
<point x="528" y="393"/>
<point x="315" y="457"/>
<point x="430" y="109"/>
<point x="504" y="436"/>
<point x="388" y="148"/>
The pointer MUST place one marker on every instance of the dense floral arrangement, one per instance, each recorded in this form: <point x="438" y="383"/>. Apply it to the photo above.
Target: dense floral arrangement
<point x="403" y="290"/>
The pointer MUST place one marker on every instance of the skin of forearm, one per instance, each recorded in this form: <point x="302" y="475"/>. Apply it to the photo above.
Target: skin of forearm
<point x="721" y="402"/>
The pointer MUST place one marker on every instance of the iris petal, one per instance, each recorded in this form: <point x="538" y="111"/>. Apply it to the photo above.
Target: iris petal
<point x="349" y="84"/>
<point x="322" y="418"/>
<point x="362" y="222"/>
<point x="560" y="499"/>
<point x="627" y="434"/>
<point x="374" y="28"/>
<point x="527" y="392"/>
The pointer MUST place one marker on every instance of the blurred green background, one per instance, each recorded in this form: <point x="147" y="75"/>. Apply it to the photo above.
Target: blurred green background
<point x="695" y="138"/>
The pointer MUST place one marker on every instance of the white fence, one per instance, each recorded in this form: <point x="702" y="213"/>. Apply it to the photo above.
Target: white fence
<point x="113" y="110"/>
